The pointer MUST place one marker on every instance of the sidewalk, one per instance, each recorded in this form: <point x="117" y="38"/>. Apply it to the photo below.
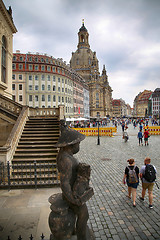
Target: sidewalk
<point x="112" y="216"/>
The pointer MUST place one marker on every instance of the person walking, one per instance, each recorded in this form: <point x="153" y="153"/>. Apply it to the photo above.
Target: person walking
<point x="146" y="136"/>
<point x="148" y="176"/>
<point x="131" y="176"/>
<point x="140" y="136"/>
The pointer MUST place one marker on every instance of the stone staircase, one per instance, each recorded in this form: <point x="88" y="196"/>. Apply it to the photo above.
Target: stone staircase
<point x="34" y="161"/>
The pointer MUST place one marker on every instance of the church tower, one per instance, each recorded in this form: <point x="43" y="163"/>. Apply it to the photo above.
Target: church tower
<point x="85" y="63"/>
<point x="84" y="57"/>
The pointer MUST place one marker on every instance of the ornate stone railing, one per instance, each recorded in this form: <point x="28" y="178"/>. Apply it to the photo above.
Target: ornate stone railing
<point x="47" y="112"/>
<point x="10" y="106"/>
<point x="8" y="150"/>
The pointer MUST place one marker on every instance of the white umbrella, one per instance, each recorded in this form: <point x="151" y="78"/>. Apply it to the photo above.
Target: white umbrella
<point x="70" y="119"/>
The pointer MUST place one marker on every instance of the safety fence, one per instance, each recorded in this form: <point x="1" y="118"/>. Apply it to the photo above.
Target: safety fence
<point x="103" y="131"/>
<point x="29" y="238"/>
<point x="153" y="130"/>
<point x="32" y="175"/>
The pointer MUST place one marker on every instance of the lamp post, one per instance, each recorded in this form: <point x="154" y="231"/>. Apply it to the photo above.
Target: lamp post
<point x="98" y="140"/>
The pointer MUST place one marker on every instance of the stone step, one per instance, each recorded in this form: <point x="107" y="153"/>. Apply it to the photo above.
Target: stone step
<point x="37" y="142"/>
<point x="36" y="146"/>
<point x="32" y="160"/>
<point x="40" y="150"/>
<point x="24" y="138"/>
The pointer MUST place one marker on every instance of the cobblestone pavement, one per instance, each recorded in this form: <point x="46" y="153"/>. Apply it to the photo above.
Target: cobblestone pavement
<point x="112" y="215"/>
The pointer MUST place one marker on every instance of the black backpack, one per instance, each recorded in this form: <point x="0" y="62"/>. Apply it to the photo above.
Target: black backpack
<point x="150" y="173"/>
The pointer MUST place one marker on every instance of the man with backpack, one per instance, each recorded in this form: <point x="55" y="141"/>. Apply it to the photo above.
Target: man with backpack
<point x="148" y="176"/>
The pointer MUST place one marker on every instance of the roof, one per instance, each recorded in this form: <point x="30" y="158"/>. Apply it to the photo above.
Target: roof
<point x="8" y="16"/>
<point x="83" y="28"/>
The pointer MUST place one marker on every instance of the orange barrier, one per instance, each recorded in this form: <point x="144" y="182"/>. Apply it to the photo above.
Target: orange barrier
<point x="107" y="131"/>
<point x="153" y="130"/>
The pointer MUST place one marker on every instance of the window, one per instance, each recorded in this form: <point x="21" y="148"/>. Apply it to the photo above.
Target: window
<point x="53" y="69"/>
<point x="20" y="98"/>
<point x="20" y="77"/>
<point x="59" y="80"/>
<point x="62" y="99"/>
<point x="30" y="77"/>
<point x="48" y="68"/>
<point x="59" y="99"/>
<point x="59" y="89"/>
<point x="13" y="76"/>
<point x="3" y="59"/>
<point x="54" y="98"/>
<point x="36" y="87"/>
<point x="49" y="87"/>
<point x="46" y="60"/>
<point x="62" y="80"/>
<point x="30" y="59"/>
<point x="48" y="77"/>
<point x="36" y="59"/>
<point x="43" y="98"/>
<point x="13" y="86"/>
<point x="30" y="98"/>
<point x="13" y="66"/>
<point x="30" y="87"/>
<point x="36" y="98"/>
<point x="36" y="67"/>
<point x="43" y="87"/>
<point x="54" y="79"/>
<point x="20" y="66"/>
<point x="30" y="67"/>
<point x="49" y="98"/>
<point x="42" y="68"/>
<point x="14" y="58"/>
<point x="42" y="59"/>
<point x="36" y="77"/>
<point x="21" y="58"/>
<point x="13" y="97"/>
<point x="42" y="77"/>
<point x="54" y="88"/>
<point x="62" y="89"/>
<point x="20" y="86"/>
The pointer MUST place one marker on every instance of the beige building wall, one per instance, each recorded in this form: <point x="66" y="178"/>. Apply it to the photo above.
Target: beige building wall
<point x="7" y="28"/>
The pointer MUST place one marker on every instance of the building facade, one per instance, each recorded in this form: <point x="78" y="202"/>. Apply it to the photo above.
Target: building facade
<point x="119" y="108"/>
<point x="155" y="98"/>
<point x="85" y="62"/>
<point x="7" y="29"/>
<point x="41" y="81"/>
<point x="140" y="104"/>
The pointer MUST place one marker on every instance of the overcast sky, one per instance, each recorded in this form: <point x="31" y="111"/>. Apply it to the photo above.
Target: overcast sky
<point x="124" y="33"/>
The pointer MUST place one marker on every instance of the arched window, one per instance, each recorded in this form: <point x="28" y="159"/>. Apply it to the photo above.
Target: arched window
<point x="4" y="46"/>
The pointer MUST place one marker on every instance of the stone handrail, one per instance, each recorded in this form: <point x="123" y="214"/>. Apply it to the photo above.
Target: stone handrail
<point x="8" y="150"/>
<point x="10" y="105"/>
<point x="47" y="112"/>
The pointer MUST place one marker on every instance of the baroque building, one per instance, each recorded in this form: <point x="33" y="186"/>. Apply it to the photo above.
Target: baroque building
<point x="7" y="29"/>
<point x="85" y="62"/>
<point x="42" y="81"/>
<point x="140" y="104"/>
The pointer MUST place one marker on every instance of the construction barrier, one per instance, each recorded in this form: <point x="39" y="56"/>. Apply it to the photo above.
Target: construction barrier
<point x="153" y="130"/>
<point x="107" y="131"/>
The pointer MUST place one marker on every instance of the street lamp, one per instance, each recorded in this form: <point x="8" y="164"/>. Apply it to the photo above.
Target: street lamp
<point x="98" y="117"/>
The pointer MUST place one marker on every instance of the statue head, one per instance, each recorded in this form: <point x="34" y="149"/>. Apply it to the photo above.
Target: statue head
<point x="68" y="137"/>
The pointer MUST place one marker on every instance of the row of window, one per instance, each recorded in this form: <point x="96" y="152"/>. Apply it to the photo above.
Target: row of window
<point x="48" y="78"/>
<point x="34" y="58"/>
<point x="32" y="67"/>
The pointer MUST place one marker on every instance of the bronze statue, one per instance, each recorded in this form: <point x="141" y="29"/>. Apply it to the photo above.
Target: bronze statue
<point x="74" y="180"/>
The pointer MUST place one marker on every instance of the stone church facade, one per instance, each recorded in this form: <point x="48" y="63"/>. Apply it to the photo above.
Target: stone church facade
<point x="85" y="62"/>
